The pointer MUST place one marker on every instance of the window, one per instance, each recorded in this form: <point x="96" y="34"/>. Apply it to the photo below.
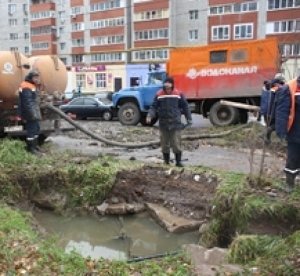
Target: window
<point x="239" y="55"/>
<point x="101" y="80"/>
<point x="90" y="102"/>
<point x="288" y="26"/>
<point x="62" y="45"/>
<point x="111" y="22"/>
<point x="78" y="26"/>
<point x="109" y="57"/>
<point x="218" y="56"/>
<point x="77" y="101"/>
<point x="26" y="50"/>
<point x="25" y="9"/>
<point x="77" y="58"/>
<point x="234" y="8"/>
<point x="26" y="35"/>
<point x="220" y="33"/>
<point x="12" y="8"/>
<point x="243" y="31"/>
<point x="78" y="42"/>
<point x="104" y="40"/>
<point x="220" y="10"/>
<point x="152" y="34"/>
<point x="14" y="49"/>
<point x="194" y="14"/>
<point x="282" y="4"/>
<point x="13" y="22"/>
<point x="13" y="36"/>
<point x="76" y="10"/>
<point x="41" y="30"/>
<point x="40" y="46"/>
<point x="245" y="7"/>
<point x="107" y="5"/>
<point x="42" y="14"/>
<point x="292" y="49"/>
<point x="193" y="35"/>
<point x="160" y="54"/>
<point x="80" y="80"/>
<point x="151" y="15"/>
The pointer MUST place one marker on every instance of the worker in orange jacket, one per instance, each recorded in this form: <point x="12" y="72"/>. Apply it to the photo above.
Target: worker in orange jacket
<point x="287" y="126"/>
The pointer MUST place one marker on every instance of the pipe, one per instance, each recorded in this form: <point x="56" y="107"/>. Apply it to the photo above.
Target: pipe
<point x="137" y="145"/>
<point x="240" y="105"/>
<point x="140" y="259"/>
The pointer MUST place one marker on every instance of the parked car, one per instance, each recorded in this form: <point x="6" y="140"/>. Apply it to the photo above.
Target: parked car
<point x="87" y="107"/>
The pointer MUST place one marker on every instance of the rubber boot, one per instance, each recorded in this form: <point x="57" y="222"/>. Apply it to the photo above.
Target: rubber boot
<point x="31" y="146"/>
<point x="290" y="182"/>
<point x="166" y="158"/>
<point x="36" y="144"/>
<point x="178" y="159"/>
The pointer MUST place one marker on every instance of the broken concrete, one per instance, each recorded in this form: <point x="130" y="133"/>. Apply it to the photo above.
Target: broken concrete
<point x="119" y="208"/>
<point x="210" y="262"/>
<point x="170" y="222"/>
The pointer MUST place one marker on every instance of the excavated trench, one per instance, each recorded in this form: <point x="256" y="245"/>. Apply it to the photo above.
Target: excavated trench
<point x="151" y="210"/>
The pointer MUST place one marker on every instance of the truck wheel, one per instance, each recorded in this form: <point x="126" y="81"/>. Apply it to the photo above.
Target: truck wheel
<point x="243" y="116"/>
<point x="143" y="121"/>
<point x="222" y="115"/>
<point x="129" y="114"/>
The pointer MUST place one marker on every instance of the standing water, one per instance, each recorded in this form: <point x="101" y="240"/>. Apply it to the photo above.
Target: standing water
<point x="113" y="237"/>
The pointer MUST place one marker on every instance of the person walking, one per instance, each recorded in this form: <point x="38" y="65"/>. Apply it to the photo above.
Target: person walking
<point x="30" y="110"/>
<point x="287" y="126"/>
<point x="168" y="105"/>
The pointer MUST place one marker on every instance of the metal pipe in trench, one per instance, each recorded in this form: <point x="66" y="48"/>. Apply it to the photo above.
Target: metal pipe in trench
<point x="139" y="145"/>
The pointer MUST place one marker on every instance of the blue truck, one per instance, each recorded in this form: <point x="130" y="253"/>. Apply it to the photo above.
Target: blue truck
<point x="133" y="103"/>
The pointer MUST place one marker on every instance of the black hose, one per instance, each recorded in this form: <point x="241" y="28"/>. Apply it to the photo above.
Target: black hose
<point x="162" y="255"/>
<point x="139" y="145"/>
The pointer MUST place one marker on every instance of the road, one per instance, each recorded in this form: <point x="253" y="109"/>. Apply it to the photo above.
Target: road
<point x="228" y="159"/>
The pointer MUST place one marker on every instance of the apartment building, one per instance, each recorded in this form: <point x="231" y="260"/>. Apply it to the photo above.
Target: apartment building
<point x="14" y="26"/>
<point x="230" y="20"/>
<point x="110" y="43"/>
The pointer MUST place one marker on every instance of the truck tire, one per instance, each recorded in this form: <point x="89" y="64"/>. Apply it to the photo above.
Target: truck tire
<point x="143" y="121"/>
<point x="129" y="114"/>
<point x="243" y="116"/>
<point x="222" y="115"/>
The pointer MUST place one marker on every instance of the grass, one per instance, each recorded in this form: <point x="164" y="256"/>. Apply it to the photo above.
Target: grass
<point x="237" y="202"/>
<point x="272" y="255"/>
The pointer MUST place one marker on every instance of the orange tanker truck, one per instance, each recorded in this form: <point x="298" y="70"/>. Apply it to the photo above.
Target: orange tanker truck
<point x="13" y="68"/>
<point x="207" y="75"/>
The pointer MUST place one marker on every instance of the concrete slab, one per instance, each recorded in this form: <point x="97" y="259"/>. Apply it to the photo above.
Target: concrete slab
<point x="170" y="222"/>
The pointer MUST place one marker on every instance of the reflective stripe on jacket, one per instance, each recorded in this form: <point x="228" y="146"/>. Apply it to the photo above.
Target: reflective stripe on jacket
<point x="293" y="88"/>
<point x="168" y="108"/>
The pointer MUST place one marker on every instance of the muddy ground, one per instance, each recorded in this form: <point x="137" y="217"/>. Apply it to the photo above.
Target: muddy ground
<point x="239" y="152"/>
<point x="182" y="193"/>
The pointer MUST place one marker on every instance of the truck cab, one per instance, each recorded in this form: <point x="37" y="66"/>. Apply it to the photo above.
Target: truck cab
<point x="133" y="103"/>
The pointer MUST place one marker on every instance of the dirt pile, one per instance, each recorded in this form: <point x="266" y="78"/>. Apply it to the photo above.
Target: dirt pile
<point x="183" y="193"/>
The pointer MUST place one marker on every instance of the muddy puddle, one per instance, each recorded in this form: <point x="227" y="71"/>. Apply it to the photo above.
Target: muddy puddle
<point x="113" y="237"/>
